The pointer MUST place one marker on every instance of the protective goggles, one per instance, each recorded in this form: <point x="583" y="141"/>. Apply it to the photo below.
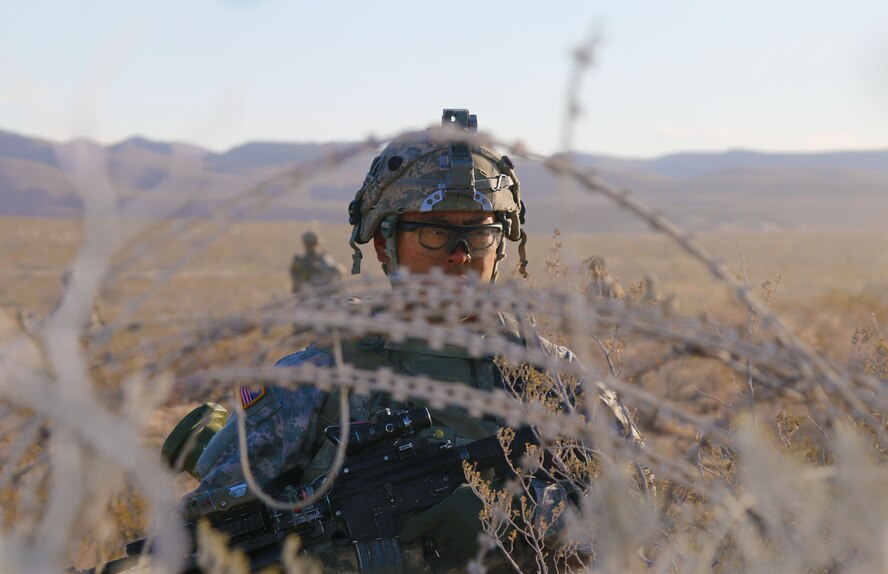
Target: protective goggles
<point x="434" y="236"/>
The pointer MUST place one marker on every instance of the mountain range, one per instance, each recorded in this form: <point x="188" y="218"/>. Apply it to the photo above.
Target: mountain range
<point x="699" y="191"/>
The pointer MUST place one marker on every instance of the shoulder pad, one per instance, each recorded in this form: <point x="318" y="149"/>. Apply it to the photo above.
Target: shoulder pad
<point x="311" y="356"/>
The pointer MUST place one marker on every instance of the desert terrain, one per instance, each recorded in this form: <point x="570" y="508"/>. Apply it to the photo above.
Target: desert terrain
<point x="177" y="277"/>
<point x="244" y="266"/>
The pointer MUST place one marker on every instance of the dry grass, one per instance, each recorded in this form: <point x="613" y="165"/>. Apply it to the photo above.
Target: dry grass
<point x="830" y="286"/>
<point x="247" y="265"/>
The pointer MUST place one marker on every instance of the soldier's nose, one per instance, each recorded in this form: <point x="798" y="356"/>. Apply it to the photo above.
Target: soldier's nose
<point x="459" y="256"/>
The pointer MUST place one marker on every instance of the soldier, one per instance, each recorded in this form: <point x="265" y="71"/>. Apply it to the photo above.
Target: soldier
<point x="601" y="282"/>
<point x="428" y="203"/>
<point x="651" y="289"/>
<point x="315" y="268"/>
<point x="652" y="294"/>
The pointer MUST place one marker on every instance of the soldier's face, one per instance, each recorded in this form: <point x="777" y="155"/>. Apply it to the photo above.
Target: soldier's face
<point x="420" y="260"/>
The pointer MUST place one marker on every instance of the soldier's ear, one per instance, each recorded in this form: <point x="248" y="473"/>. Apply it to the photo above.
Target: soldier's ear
<point x="379" y="246"/>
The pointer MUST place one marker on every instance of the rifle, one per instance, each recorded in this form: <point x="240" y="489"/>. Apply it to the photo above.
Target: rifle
<point x="388" y="471"/>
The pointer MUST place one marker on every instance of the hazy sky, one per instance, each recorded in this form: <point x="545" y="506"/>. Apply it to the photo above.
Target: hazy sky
<point x="774" y="75"/>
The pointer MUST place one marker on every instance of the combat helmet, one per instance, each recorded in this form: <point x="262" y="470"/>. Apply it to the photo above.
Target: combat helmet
<point x="441" y="169"/>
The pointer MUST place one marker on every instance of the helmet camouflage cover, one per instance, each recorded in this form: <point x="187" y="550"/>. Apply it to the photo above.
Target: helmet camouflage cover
<point x="440" y="169"/>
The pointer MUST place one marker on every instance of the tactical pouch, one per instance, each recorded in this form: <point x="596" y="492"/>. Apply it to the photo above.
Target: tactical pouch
<point x="191" y="436"/>
<point x="380" y="556"/>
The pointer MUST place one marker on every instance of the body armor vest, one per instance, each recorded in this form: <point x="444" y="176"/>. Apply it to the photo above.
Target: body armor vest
<point x="450" y="364"/>
<point x="415" y="358"/>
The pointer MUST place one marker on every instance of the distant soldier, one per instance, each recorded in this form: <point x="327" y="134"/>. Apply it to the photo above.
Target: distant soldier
<point x="315" y="268"/>
<point x="601" y="282"/>
<point x="651" y="289"/>
<point x="653" y="295"/>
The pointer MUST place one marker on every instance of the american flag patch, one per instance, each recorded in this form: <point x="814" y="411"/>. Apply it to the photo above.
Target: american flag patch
<point x="250" y="397"/>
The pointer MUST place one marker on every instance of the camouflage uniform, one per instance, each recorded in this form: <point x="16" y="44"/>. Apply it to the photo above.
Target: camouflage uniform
<point x="432" y="172"/>
<point x="315" y="268"/>
<point x="285" y="427"/>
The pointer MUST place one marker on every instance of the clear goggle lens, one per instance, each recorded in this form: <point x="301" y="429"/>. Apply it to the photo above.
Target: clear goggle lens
<point x="435" y="236"/>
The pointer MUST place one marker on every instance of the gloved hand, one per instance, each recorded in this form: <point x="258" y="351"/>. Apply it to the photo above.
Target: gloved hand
<point x="453" y="524"/>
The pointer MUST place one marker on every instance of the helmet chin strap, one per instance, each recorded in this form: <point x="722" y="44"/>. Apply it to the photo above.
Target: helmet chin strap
<point x="501" y="248"/>
<point x="388" y="228"/>
<point x="500" y="255"/>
